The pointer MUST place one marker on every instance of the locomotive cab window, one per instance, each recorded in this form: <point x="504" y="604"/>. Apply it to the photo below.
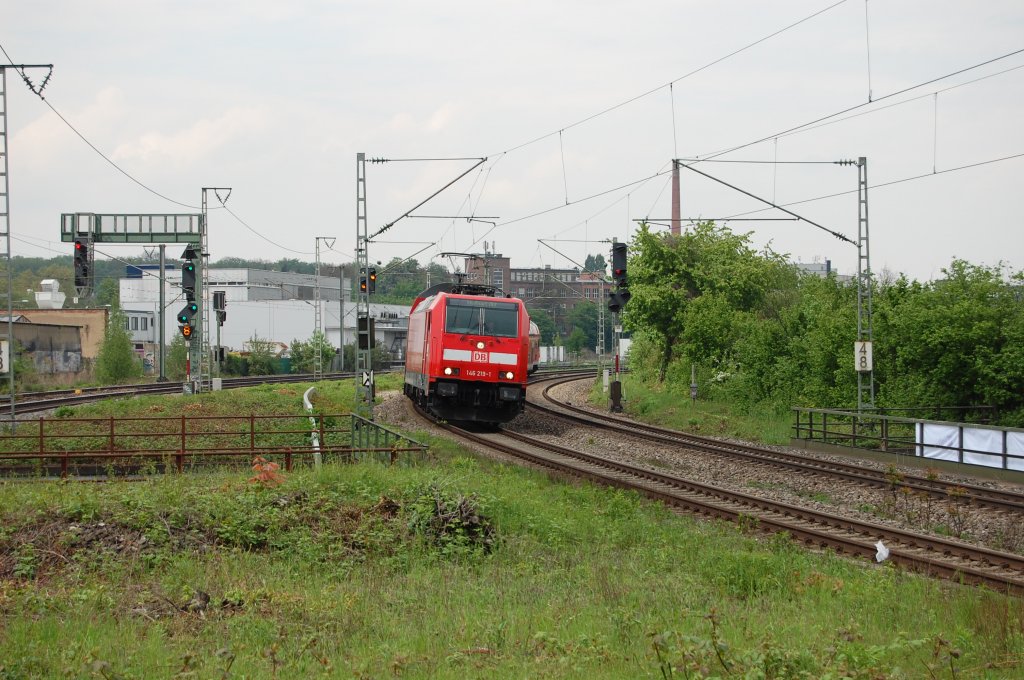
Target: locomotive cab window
<point x="482" y="317"/>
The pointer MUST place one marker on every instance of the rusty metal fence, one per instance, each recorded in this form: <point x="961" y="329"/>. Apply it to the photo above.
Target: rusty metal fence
<point x="137" y="445"/>
<point x="971" y="444"/>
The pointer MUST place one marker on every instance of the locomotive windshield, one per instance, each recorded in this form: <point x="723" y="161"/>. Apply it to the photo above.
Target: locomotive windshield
<point x="482" y="317"/>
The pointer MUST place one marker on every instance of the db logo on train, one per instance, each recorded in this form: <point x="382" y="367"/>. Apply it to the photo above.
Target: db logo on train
<point x="480" y="356"/>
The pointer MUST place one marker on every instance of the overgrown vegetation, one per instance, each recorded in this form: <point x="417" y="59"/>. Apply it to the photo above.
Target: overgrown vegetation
<point x="762" y="336"/>
<point x="447" y="570"/>
<point x="117" y="361"/>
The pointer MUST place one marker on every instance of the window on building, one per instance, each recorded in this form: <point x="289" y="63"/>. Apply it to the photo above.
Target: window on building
<point x="143" y="324"/>
<point x="135" y="323"/>
<point x="498" y="278"/>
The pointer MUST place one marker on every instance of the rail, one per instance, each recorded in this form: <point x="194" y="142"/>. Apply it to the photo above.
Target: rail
<point x="970" y="444"/>
<point x="138" y="445"/>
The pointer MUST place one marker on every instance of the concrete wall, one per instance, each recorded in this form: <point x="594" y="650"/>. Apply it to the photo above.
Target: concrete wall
<point x="92" y="325"/>
<point x="54" y="349"/>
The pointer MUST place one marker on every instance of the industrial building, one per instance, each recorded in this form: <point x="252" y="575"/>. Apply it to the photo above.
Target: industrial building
<point x="269" y="305"/>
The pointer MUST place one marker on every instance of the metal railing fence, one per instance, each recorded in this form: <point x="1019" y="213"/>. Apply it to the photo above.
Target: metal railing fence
<point x="141" y="444"/>
<point x="970" y="444"/>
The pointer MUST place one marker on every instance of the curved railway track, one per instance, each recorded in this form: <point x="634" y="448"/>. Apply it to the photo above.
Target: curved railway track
<point x="930" y="555"/>
<point x="936" y="488"/>
<point x="34" y="402"/>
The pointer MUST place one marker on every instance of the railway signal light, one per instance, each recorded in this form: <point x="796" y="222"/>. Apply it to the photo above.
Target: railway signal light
<point x="82" y="257"/>
<point x="362" y="284"/>
<point x="185" y="317"/>
<point x="188" y="280"/>
<point x="617" y="299"/>
<point x="619" y="264"/>
<point x="188" y="312"/>
<point x="372" y="285"/>
<point x="220" y="304"/>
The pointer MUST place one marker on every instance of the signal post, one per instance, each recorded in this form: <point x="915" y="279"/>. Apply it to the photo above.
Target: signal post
<point x="617" y="299"/>
<point x="87" y="229"/>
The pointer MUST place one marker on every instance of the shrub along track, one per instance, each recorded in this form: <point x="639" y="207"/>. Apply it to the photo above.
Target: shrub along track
<point x="930" y="555"/>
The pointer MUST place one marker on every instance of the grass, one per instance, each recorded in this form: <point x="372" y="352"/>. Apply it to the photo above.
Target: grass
<point x="670" y="406"/>
<point x="449" y="567"/>
<point x="345" y="572"/>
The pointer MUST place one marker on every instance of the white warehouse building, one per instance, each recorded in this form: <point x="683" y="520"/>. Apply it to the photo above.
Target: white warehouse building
<point x="269" y="305"/>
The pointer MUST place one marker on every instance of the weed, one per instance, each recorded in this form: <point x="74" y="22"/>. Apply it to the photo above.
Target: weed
<point x="26" y="562"/>
<point x="267" y="473"/>
<point x="454" y="523"/>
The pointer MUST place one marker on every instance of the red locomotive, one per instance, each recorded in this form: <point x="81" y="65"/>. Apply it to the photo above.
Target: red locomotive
<point x="467" y="353"/>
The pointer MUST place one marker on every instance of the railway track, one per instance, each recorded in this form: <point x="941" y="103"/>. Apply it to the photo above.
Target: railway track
<point x="975" y="494"/>
<point x="933" y="556"/>
<point x="35" y="402"/>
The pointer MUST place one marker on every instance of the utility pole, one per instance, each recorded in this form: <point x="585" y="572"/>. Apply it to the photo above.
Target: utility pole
<point x="865" y="335"/>
<point x="862" y="349"/>
<point x="318" y="359"/>
<point x="5" y="212"/>
<point x="364" y="328"/>
<point x="200" y="347"/>
<point x="161" y="313"/>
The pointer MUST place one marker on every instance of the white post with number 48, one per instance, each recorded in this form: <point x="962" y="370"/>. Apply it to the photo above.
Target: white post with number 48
<point x="862" y="356"/>
<point x="5" y="356"/>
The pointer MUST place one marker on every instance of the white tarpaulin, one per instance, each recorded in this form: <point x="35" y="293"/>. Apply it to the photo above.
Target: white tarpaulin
<point x="981" y="446"/>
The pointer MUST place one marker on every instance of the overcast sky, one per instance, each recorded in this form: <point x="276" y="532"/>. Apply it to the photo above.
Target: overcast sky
<point x="569" y="102"/>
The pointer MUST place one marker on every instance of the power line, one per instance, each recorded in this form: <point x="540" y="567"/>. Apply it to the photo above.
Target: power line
<point x="579" y="200"/>
<point x="670" y="83"/>
<point x="859" y="106"/>
<point x="273" y="243"/>
<point x="93" y="146"/>
<point x="884" y="184"/>
<point x="901" y="103"/>
<point x="800" y="128"/>
<point x="134" y="179"/>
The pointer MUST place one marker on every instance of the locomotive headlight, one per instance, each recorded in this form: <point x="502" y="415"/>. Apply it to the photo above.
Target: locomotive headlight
<point x="447" y="370"/>
<point x="480" y="345"/>
<point x="509" y="375"/>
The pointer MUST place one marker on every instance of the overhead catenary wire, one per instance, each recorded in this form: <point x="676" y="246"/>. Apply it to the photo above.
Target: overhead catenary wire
<point x="715" y="154"/>
<point x="880" y="185"/>
<point x="879" y="109"/>
<point x="94" y="148"/>
<point x="682" y="77"/>
<point x="273" y="243"/>
<point x="799" y="128"/>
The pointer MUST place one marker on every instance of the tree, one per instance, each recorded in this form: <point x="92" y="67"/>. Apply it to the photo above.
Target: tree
<point x="117" y="361"/>
<point x="544" y="322"/>
<point x="577" y="340"/>
<point x="379" y="356"/>
<point x="667" y="273"/>
<point x="953" y="342"/>
<point x="177" y="356"/>
<point x="108" y="292"/>
<point x="595" y="264"/>
<point x="261" y="356"/>
<point x="304" y="353"/>
<point x="584" y="317"/>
